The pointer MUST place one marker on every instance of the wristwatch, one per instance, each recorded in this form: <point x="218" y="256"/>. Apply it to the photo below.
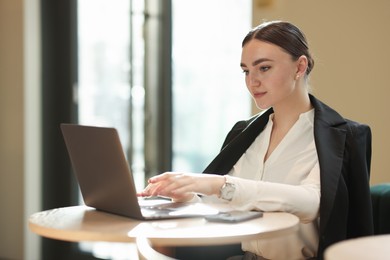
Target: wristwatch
<point x="227" y="191"/>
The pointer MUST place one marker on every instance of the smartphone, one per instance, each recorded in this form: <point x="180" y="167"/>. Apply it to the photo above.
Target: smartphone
<point x="234" y="216"/>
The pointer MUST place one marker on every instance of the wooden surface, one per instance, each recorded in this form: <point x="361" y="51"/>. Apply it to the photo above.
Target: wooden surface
<point x="81" y="223"/>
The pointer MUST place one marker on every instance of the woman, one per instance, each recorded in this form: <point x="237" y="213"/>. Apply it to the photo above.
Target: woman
<point x="299" y="156"/>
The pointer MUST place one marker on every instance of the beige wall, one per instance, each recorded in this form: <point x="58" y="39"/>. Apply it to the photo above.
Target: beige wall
<point x="11" y="129"/>
<point x="350" y="42"/>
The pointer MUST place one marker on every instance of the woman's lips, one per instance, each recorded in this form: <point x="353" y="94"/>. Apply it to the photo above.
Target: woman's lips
<point x="259" y="94"/>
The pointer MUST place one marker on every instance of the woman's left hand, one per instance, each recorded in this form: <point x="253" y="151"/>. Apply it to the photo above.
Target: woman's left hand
<point x="183" y="186"/>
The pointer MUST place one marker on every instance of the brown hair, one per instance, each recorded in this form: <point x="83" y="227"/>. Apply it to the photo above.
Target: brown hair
<point x="285" y="35"/>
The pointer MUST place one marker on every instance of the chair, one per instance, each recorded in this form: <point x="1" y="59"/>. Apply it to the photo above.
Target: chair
<point x="380" y="197"/>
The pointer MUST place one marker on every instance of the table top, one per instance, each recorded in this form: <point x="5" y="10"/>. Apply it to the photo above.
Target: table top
<point x="82" y="223"/>
<point x="370" y="247"/>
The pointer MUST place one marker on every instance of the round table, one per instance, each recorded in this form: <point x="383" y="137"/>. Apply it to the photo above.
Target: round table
<point x="82" y="223"/>
<point x="370" y="247"/>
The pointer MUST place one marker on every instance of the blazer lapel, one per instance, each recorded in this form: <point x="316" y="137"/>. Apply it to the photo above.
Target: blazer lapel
<point x="232" y="152"/>
<point x="330" y="136"/>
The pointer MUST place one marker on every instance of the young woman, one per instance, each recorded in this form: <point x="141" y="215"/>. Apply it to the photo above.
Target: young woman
<point x="299" y="156"/>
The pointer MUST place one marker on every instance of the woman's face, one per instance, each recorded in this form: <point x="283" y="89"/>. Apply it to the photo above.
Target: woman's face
<point x="270" y="73"/>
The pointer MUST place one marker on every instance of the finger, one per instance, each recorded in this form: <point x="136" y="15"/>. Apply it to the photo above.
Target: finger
<point x="151" y="190"/>
<point x="160" y="177"/>
<point x="164" y="176"/>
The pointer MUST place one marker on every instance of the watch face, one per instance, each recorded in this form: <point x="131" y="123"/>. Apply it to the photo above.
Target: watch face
<point x="227" y="191"/>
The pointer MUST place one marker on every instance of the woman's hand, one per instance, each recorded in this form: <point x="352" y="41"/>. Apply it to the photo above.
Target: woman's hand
<point x="183" y="186"/>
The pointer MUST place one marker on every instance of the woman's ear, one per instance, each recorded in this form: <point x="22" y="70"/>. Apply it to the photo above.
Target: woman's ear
<point x="302" y="64"/>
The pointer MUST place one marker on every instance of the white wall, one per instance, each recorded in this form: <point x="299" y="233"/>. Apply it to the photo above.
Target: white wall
<point x="32" y="123"/>
<point x="350" y="41"/>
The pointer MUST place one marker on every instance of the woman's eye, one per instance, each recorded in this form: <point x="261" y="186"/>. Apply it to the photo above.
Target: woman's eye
<point x="264" y="68"/>
<point x="246" y="72"/>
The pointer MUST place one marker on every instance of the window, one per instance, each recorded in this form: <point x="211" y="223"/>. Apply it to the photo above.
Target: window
<point x="209" y="93"/>
<point x="110" y="68"/>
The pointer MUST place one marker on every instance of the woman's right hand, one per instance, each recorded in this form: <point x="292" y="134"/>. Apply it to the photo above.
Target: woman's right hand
<point x="183" y="186"/>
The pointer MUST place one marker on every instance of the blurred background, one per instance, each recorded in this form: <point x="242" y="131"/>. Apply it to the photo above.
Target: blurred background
<point x="166" y="74"/>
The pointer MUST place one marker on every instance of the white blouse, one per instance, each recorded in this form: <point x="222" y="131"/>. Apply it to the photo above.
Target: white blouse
<point x="289" y="181"/>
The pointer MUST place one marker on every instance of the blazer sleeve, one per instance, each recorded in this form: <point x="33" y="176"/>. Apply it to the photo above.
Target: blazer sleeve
<point x="360" y="221"/>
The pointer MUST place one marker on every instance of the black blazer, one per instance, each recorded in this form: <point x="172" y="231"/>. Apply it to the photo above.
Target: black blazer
<point x="344" y="154"/>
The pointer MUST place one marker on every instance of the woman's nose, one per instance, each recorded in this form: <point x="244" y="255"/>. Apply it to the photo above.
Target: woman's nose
<point x="253" y="80"/>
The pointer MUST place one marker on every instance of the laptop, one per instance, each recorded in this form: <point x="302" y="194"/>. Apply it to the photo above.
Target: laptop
<point x="106" y="182"/>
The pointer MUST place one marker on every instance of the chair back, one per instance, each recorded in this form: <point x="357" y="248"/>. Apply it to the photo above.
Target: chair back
<point x="380" y="196"/>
